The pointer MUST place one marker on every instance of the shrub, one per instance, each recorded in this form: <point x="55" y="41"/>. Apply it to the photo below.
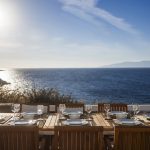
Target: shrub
<point x="34" y="96"/>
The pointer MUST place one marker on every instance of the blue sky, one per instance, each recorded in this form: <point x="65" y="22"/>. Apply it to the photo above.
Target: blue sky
<point x="73" y="33"/>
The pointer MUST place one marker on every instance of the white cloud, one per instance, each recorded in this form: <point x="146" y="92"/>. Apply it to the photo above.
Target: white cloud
<point x="86" y="9"/>
<point x="80" y="3"/>
<point x="82" y="14"/>
<point x="9" y="45"/>
<point x="39" y="50"/>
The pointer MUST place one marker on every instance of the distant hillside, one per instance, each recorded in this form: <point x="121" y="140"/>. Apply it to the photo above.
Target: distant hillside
<point x="140" y="64"/>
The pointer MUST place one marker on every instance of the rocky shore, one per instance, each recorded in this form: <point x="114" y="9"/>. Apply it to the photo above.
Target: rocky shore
<point x="2" y="82"/>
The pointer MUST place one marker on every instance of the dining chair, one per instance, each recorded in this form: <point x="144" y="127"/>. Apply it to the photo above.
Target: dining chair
<point x="75" y="106"/>
<point x="31" y="108"/>
<point x="101" y="107"/>
<point x="78" y="138"/>
<point x="52" y="108"/>
<point x="132" y="138"/>
<point x="118" y="107"/>
<point x="113" y="107"/>
<point x="18" y="138"/>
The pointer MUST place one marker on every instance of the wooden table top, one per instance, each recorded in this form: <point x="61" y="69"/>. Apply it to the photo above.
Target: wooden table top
<point x="99" y="120"/>
<point x="47" y="127"/>
<point x="53" y="119"/>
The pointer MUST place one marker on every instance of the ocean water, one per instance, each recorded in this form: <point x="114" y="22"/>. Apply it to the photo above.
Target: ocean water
<point x="89" y="85"/>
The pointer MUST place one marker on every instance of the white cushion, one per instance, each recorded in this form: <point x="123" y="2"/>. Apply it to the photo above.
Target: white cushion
<point x="141" y="107"/>
<point x="32" y="108"/>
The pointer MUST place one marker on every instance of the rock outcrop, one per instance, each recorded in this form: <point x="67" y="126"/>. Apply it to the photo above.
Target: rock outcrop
<point x="2" y="82"/>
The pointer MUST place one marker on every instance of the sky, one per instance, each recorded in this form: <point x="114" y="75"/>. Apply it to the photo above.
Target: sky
<point x="73" y="33"/>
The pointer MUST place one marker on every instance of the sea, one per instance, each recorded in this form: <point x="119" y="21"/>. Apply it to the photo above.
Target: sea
<point x="92" y="85"/>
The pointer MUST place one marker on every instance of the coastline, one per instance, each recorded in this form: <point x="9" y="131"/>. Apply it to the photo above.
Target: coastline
<point x="2" y="82"/>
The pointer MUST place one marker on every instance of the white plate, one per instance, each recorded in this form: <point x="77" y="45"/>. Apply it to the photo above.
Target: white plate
<point x="25" y="122"/>
<point x="29" y="113"/>
<point x="127" y="122"/>
<point x="69" y="112"/>
<point x="147" y="116"/>
<point x="117" y="112"/>
<point x="75" y="122"/>
<point x="2" y="118"/>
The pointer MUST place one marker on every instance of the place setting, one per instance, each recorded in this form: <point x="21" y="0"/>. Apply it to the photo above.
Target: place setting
<point x="145" y="117"/>
<point x="74" y="117"/>
<point x="15" y="108"/>
<point x="27" y="118"/>
<point x="110" y="115"/>
<point x="128" y="122"/>
<point x="123" y="118"/>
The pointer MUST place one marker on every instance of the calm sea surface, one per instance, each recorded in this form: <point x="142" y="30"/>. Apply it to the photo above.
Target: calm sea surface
<point x="117" y="85"/>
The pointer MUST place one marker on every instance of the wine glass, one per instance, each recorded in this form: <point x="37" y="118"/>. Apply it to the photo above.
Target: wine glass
<point x="40" y="109"/>
<point x="88" y="110"/>
<point x="62" y="108"/>
<point x="15" y="108"/>
<point x="135" y="109"/>
<point x="107" y="109"/>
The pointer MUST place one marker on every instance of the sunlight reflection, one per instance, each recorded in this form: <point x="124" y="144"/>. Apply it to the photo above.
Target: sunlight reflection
<point x="5" y="75"/>
<point x="16" y="80"/>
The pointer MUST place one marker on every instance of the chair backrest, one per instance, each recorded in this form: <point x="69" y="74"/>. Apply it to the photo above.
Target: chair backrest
<point x="118" y="107"/>
<point x="31" y="108"/>
<point x="18" y="138"/>
<point x="5" y="107"/>
<point x="132" y="138"/>
<point x="100" y="107"/>
<point x="74" y="106"/>
<point x="52" y="108"/>
<point x="78" y="138"/>
<point x="113" y="107"/>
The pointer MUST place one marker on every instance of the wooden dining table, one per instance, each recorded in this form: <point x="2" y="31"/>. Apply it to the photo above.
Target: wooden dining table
<point x="98" y="119"/>
<point x="49" y="121"/>
<point x="46" y="126"/>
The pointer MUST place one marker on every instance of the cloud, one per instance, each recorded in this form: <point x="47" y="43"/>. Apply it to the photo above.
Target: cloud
<point x="60" y="52"/>
<point x="81" y="3"/>
<point x="82" y="14"/>
<point x="87" y="10"/>
<point x="7" y="45"/>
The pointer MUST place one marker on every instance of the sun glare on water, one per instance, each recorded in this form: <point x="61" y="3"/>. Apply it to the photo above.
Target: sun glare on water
<point x="6" y="76"/>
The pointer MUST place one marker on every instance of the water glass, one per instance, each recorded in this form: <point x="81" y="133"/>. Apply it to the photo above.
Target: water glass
<point x="88" y="110"/>
<point x="62" y="108"/>
<point x="107" y="109"/>
<point x="135" y="109"/>
<point x="40" y="109"/>
<point x="15" y="108"/>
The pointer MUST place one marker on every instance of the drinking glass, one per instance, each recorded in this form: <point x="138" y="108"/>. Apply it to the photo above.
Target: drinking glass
<point x="15" y="108"/>
<point x="40" y="109"/>
<point x="107" y="109"/>
<point x="62" y="108"/>
<point x="135" y="109"/>
<point x="88" y="110"/>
